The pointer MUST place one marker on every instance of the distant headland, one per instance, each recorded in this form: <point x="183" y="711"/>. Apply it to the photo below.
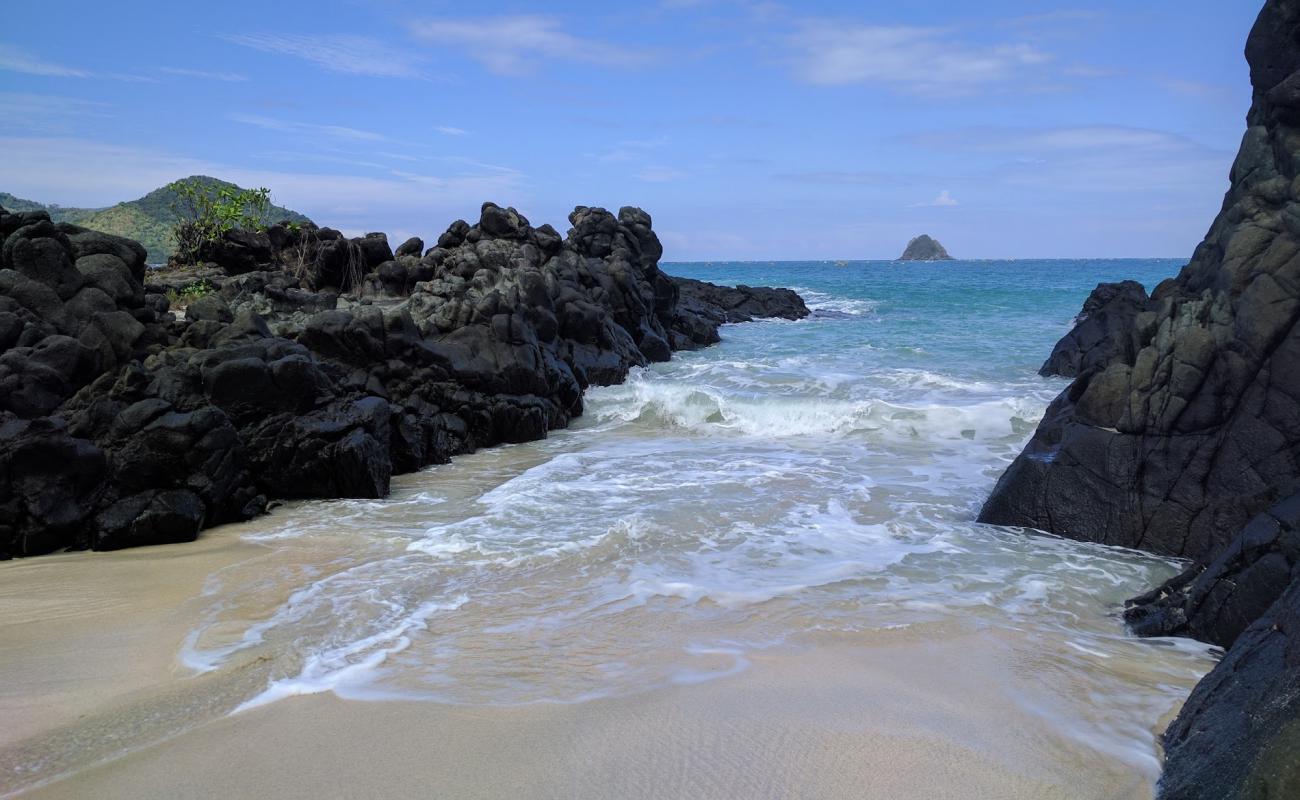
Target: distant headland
<point x="925" y="248"/>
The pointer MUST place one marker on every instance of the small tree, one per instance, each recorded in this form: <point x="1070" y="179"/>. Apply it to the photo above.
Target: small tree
<point x="204" y="212"/>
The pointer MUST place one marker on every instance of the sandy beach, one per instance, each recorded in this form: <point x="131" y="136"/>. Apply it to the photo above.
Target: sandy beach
<point x="926" y="713"/>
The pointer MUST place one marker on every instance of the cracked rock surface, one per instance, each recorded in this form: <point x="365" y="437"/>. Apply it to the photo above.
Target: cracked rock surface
<point x="1180" y="435"/>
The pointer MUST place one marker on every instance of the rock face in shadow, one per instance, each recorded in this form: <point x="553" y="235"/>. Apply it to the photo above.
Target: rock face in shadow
<point x="1238" y="735"/>
<point x="1181" y="435"/>
<point x="1174" y="443"/>
<point x="1102" y="332"/>
<point x="311" y="365"/>
<point x="924" y="248"/>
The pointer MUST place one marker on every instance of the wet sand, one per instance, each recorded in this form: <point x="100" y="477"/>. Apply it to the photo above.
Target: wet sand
<point x="92" y="690"/>
<point x="847" y="722"/>
<point x="84" y="632"/>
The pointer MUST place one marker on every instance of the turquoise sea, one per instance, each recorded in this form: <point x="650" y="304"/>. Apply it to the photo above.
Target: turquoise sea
<point x="800" y="483"/>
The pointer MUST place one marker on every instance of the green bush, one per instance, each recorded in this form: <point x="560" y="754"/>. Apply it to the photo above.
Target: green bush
<point x="178" y="300"/>
<point x="204" y="212"/>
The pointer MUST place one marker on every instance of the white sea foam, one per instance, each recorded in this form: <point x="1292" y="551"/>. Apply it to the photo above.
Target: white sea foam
<point x="809" y="477"/>
<point x="334" y="669"/>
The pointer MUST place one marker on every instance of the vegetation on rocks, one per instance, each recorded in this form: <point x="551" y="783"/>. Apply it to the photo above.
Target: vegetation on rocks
<point x="148" y="220"/>
<point x="203" y="213"/>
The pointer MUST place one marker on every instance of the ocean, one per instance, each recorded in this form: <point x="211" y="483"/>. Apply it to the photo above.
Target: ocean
<point x="801" y="483"/>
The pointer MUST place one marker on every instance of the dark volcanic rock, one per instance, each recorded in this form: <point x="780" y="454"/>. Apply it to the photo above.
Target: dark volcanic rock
<point x="702" y="307"/>
<point x="1186" y="435"/>
<point x="313" y="366"/>
<point x="1216" y="603"/>
<point x="1238" y="734"/>
<point x="924" y="248"/>
<point x="238" y="251"/>
<point x="1181" y="435"/>
<point x="1102" y="332"/>
<point x="413" y="246"/>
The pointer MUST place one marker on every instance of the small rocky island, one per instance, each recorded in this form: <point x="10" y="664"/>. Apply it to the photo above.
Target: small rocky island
<point x="925" y="248"/>
<point x="308" y="364"/>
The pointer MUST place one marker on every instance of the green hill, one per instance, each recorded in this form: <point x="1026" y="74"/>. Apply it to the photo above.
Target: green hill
<point x="148" y="220"/>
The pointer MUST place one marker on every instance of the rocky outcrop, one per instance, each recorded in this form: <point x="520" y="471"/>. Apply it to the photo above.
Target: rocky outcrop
<point x="702" y="307"/>
<point x="1102" y="332"/>
<point x="307" y="364"/>
<point x="1216" y="603"/>
<point x="1238" y="735"/>
<point x="1181" y="435"/>
<point x="924" y="248"/>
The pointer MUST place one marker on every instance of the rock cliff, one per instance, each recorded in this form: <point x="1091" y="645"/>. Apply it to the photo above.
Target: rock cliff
<point x="312" y="365"/>
<point x="1181" y="435"/>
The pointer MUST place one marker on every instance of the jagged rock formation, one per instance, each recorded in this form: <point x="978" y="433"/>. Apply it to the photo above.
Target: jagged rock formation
<point x="1101" y="332"/>
<point x="1181" y="435"/>
<point x="924" y="248"/>
<point x="320" y="367"/>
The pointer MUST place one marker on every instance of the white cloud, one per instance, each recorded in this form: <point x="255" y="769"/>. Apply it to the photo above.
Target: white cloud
<point x="931" y="60"/>
<point x="14" y="59"/>
<point x="448" y="130"/>
<point x="229" y="77"/>
<point x="350" y="55"/>
<point x="944" y="200"/>
<point x="512" y="45"/>
<point x="332" y="131"/>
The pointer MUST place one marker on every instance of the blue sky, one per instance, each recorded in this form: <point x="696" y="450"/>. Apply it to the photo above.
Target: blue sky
<point x="749" y="130"/>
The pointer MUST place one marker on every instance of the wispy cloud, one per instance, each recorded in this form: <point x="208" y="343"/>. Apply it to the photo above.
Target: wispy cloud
<point x="331" y="131"/>
<point x="1106" y="158"/>
<point x="13" y="59"/>
<point x="511" y="45"/>
<point x="350" y="55"/>
<point x="22" y="112"/>
<point x="184" y="72"/>
<point x="932" y="60"/>
<point x="661" y="175"/>
<point x="1063" y="16"/>
<point x="629" y="150"/>
<point x="847" y="177"/>
<point x="448" y="130"/>
<point x="1084" y="138"/>
<point x="1199" y="89"/>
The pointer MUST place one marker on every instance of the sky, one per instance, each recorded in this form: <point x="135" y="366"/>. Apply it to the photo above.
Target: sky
<point x="748" y="130"/>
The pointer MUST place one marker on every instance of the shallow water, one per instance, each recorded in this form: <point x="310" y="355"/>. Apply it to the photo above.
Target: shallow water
<point x="802" y="482"/>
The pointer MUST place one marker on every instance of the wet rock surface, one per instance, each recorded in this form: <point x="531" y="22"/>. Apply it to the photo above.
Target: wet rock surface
<point x="306" y="364"/>
<point x="1180" y="434"/>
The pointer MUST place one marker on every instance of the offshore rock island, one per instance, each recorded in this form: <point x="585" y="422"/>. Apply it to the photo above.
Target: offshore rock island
<point x="1180" y="435"/>
<point x="319" y="366"/>
<point x="924" y="248"/>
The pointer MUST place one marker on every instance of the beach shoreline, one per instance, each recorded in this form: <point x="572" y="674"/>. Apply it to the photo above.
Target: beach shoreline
<point x="932" y="711"/>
